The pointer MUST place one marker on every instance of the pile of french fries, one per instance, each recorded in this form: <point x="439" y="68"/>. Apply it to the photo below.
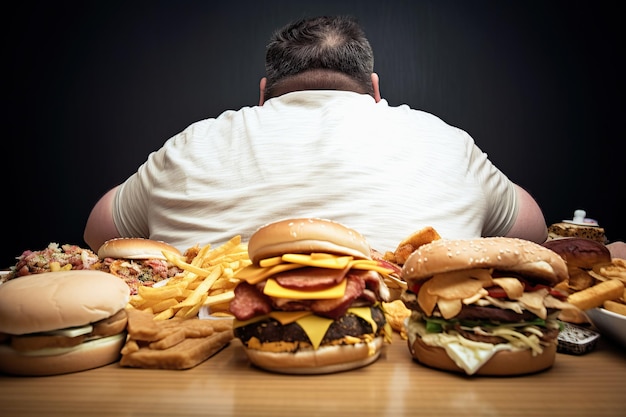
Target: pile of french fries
<point x="207" y="280"/>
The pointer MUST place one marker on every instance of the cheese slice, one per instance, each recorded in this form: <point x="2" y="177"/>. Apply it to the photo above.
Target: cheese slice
<point x="274" y="289"/>
<point x="366" y="314"/>
<point x="315" y="327"/>
<point x="286" y="317"/>
<point x="254" y="274"/>
<point x="322" y="255"/>
<point x="330" y="261"/>
<point x="265" y="263"/>
<point x="370" y="265"/>
<point x="71" y="331"/>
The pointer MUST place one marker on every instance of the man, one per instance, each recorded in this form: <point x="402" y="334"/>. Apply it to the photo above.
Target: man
<point x="321" y="143"/>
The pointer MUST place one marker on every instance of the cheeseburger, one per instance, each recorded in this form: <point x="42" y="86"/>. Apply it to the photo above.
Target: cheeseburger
<point x="310" y="303"/>
<point x="61" y="322"/>
<point x="484" y="306"/>
<point x="138" y="261"/>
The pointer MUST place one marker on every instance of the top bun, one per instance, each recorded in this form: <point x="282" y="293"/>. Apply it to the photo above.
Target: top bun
<point x="306" y="235"/>
<point x="501" y="253"/>
<point x="580" y="252"/>
<point x="135" y="248"/>
<point x="56" y="300"/>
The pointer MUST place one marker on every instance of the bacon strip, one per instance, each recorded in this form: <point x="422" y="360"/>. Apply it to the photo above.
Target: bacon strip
<point x="310" y="278"/>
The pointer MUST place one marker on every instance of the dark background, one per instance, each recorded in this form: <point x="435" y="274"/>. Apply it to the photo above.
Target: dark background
<point x="91" y="87"/>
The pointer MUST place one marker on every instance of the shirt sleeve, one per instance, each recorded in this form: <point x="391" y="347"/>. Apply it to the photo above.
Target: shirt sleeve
<point x="499" y="191"/>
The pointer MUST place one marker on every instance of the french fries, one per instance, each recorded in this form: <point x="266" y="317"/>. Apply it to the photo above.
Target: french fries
<point x="206" y="280"/>
<point x="603" y="285"/>
<point x="596" y="295"/>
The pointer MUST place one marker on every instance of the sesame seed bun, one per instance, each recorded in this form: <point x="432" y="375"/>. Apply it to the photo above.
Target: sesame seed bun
<point x="306" y="235"/>
<point x="135" y="248"/>
<point x="502" y="253"/>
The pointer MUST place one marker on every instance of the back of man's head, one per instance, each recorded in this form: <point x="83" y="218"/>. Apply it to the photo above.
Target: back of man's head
<point x="326" y="52"/>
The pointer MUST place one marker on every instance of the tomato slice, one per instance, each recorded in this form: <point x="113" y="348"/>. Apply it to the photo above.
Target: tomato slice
<point x="496" y="292"/>
<point x="415" y="288"/>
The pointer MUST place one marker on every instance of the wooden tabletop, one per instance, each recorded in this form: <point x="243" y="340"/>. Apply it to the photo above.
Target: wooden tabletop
<point x="591" y="385"/>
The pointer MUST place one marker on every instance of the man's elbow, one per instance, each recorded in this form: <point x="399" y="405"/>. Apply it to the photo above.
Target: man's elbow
<point x="530" y="223"/>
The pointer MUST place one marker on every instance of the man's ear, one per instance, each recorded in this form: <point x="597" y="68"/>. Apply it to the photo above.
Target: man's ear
<point x="376" y="86"/>
<point x="262" y="91"/>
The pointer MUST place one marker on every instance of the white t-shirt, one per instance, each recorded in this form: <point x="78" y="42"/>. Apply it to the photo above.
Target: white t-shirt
<point x="383" y="171"/>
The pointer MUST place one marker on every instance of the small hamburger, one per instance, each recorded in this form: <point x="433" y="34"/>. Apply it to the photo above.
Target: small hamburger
<point x="60" y="322"/>
<point x="138" y="261"/>
<point x="484" y="306"/>
<point x="310" y="303"/>
<point x="580" y="255"/>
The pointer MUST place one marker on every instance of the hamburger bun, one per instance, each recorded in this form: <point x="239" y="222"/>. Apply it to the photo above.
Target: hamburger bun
<point x="502" y="363"/>
<point x="41" y="307"/>
<point x="580" y="252"/>
<point x="509" y="254"/>
<point x="324" y="360"/>
<point x="306" y="235"/>
<point x="135" y="248"/>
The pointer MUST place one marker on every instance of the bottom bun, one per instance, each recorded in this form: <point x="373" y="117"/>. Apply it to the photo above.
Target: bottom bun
<point x="502" y="363"/>
<point x="89" y="355"/>
<point x="324" y="360"/>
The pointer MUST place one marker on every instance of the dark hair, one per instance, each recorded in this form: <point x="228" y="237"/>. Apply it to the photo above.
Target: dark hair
<point x="318" y="45"/>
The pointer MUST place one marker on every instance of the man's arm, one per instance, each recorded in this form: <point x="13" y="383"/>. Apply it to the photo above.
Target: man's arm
<point x="530" y="223"/>
<point x="100" y="226"/>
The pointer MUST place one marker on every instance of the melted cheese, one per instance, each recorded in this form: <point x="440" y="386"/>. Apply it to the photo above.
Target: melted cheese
<point x="255" y="274"/>
<point x="286" y="317"/>
<point x="329" y="261"/>
<point x="315" y="328"/>
<point x="266" y="263"/>
<point x="274" y="289"/>
<point x="366" y="314"/>
<point x="370" y="265"/>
